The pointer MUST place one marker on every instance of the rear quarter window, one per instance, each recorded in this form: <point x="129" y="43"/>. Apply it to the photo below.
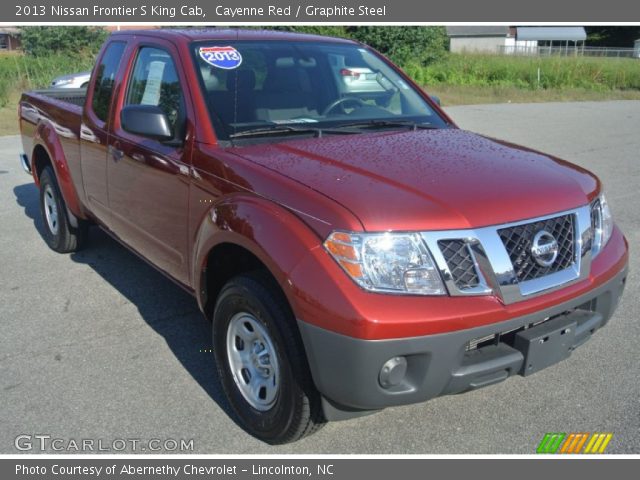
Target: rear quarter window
<point x="105" y="78"/>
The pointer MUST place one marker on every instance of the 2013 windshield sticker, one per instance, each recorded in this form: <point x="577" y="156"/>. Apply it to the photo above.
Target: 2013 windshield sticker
<point x="226" y="58"/>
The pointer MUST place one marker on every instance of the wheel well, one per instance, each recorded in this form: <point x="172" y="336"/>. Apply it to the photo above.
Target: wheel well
<point x="40" y="160"/>
<point x="224" y="262"/>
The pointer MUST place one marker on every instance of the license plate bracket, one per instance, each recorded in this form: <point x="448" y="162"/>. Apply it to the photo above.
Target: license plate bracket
<point x="545" y="344"/>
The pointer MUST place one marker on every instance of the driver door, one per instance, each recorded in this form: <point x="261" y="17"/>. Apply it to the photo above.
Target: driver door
<point x="148" y="179"/>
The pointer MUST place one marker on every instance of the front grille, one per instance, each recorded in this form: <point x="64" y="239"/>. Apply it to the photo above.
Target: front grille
<point x="460" y="262"/>
<point x="518" y="241"/>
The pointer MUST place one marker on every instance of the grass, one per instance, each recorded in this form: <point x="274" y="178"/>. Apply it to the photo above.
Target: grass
<point x="451" y="95"/>
<point x="9" y="121"/>
<point x="458" y="79"/>
<point x="531" y="73"/>
<point x="19" y="73"/>
<point x="466" y="79"/>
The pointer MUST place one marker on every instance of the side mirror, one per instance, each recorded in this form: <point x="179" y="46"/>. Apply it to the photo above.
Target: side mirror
<point x="436" y="100"/>
<point x="146" y="120"/>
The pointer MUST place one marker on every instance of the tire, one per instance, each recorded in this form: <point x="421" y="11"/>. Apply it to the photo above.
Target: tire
<point x="59" y="234"/>
<point x="294" y="410"/>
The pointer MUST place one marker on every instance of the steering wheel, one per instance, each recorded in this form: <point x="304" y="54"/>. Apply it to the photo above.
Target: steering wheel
<point x="341" y="103"/>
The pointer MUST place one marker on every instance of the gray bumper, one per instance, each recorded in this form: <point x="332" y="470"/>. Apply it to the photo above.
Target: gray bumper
<point x="347" y="370"/>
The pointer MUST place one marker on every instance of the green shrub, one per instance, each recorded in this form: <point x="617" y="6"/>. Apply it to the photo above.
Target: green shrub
<point x="44" y="41"/>
<point x="419" y="45"/>
<point x="405" y="45"/>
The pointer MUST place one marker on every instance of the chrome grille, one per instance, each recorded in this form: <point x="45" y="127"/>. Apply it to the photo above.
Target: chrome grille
<point x="518" y="241"/>
<point x="501" y="256"/>
<point x="460" y="261"/>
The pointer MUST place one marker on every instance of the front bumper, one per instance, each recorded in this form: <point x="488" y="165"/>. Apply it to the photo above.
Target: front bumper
<point x="347" y="370"/>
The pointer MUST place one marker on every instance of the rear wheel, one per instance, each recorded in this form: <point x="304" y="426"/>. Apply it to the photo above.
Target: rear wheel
<point x="59" y="234"/>
<point x="261" y="361"/>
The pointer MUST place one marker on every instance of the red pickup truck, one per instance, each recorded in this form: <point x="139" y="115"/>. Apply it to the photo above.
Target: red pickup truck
<point x="353" y="248"/>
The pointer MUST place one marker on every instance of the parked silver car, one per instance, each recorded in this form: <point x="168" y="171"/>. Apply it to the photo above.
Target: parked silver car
<point x="354" y="79"/>
<point x="73" y="80"/>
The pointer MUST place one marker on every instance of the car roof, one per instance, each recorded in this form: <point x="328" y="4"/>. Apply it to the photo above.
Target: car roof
<point x="203" y="34"/>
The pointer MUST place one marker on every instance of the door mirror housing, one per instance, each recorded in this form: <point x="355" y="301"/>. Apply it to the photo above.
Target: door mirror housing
<point x="436" y="100"/>
<point x="147" y="121"/>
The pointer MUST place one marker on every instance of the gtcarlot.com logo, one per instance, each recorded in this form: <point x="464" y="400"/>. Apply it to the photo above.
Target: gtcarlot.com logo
<point x="589" y="443"/>
<point x="44" y="443"/>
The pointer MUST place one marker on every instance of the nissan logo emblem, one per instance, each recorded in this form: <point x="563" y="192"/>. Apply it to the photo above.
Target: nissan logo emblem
<point x="544" y="248"/>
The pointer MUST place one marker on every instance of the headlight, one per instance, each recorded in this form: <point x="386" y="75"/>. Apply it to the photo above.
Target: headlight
<point x="386" y="262"/>
<point x="601" y="224"/>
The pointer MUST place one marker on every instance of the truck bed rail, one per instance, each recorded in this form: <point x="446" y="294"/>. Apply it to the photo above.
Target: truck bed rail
<point x="69" y="95"/>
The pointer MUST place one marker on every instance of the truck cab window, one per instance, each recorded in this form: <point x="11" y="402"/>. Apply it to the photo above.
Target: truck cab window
<point x="155" y="82"/>
<point x="325" y="84"/>
<point x="105" y="77"/>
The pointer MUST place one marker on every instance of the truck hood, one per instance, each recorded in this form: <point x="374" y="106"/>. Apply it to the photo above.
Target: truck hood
<point x="429" y="179"/>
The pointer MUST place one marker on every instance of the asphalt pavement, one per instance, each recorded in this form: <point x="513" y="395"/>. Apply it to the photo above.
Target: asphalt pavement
<point x="98" y="346"/>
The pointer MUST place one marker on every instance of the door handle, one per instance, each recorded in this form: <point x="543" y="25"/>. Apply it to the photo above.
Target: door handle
<point x="115" y="152"/>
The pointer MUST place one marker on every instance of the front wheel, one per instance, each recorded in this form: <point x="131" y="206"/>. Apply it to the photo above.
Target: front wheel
<point x="261" y="361"/>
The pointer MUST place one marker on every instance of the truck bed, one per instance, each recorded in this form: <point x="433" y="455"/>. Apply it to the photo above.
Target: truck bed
<point x="68" y="95"/>
<point x="60" y="108"/>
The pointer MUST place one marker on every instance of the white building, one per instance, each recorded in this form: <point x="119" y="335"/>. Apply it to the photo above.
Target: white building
<point x="505" y="39"/>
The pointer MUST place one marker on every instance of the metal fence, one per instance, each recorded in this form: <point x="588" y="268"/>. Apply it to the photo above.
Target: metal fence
<point x="569" y="51"/>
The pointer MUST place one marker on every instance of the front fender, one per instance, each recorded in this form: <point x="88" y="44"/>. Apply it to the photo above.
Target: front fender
<point x="276" y="236"/>
<point x="47" y="138"/>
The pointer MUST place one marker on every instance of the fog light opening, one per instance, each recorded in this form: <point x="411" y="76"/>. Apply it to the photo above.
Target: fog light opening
<point x="393" y="372"/>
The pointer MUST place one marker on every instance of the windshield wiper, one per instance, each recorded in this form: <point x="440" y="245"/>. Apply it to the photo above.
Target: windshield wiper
<point x="391" y="123"/>
<point x="288" y="130"/>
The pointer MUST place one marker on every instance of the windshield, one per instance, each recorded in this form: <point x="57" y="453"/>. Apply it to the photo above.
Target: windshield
<point x="272" y="84"/>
